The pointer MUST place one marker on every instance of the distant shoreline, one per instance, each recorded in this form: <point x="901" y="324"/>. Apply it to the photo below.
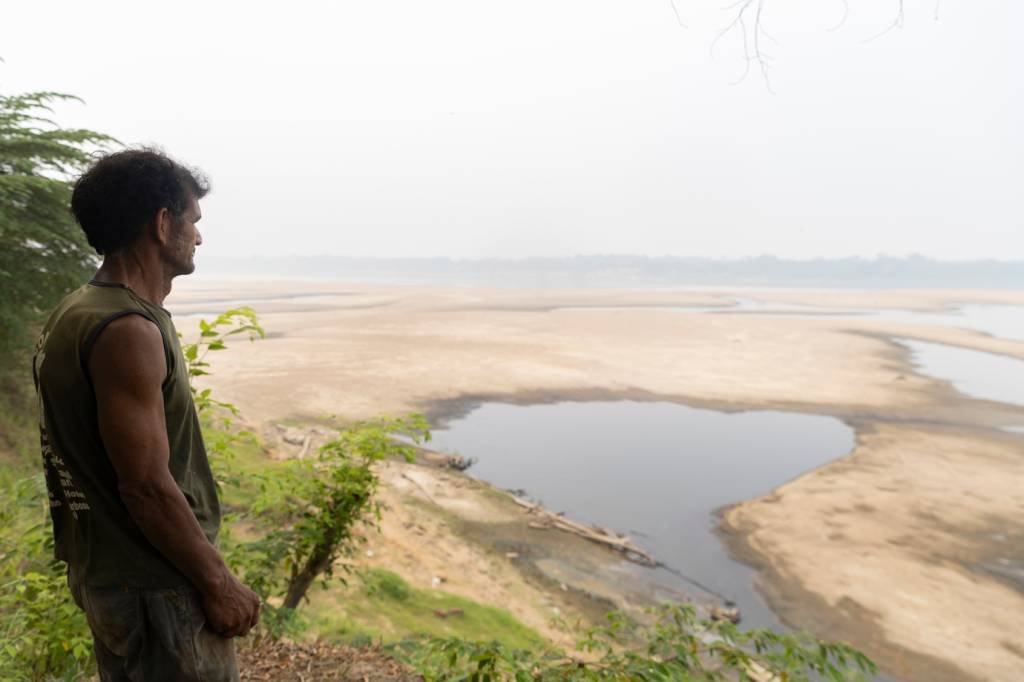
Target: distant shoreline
<point x="623" y="271"/>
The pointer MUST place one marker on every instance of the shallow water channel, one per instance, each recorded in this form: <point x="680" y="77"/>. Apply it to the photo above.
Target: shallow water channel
<point x="657" y="471"/>
<point x="973" y="373"/>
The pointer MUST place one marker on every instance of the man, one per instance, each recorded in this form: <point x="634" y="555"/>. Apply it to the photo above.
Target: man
<point x="134" y="506"/>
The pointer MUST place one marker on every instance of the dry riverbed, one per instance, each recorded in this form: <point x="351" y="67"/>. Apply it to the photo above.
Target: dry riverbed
<point x="907" y="547"/>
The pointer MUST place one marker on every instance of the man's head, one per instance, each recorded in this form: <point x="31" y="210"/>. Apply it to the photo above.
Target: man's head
<point x="141" y="196"/>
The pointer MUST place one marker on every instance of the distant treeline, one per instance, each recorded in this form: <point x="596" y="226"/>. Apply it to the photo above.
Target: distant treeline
<point x="619" y="271"/>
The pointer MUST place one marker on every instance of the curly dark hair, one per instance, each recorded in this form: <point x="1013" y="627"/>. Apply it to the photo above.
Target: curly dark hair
<point x="121" y="192"/>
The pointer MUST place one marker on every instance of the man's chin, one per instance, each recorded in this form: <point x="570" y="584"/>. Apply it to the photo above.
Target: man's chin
<point x="186" y="268"/>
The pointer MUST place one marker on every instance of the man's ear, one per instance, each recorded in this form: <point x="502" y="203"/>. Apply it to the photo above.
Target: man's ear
<point x="163" y="224"/>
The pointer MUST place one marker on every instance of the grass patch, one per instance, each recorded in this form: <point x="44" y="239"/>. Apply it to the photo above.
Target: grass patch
<point x="382" y="607"/>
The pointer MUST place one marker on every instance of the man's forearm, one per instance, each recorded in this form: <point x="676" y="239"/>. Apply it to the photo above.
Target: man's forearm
<point x="163" y="515"/>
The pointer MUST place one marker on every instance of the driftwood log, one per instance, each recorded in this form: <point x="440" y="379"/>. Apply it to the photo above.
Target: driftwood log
<point x="603" y="536"/>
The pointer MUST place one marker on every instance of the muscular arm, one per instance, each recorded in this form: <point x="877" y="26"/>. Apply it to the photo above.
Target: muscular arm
<point x="127" y="368"/>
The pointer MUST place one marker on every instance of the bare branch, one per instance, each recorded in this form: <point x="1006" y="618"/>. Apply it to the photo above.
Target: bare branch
<point x="762" y="58"/>
<point x="675" y="10"/>
<point x="746" y="48"/>
<point x="730" y="27"/>
<point x="750" y="37"/>
<point x="737" y="20"/>
<point x="896" y="23"/>
<point x="766" y="34"/>
<point x="751" y="34"/>
<point x="846" y="14"/>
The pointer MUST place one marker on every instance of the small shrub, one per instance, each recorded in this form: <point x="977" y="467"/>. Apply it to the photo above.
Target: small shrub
<point x="307" y="510"/>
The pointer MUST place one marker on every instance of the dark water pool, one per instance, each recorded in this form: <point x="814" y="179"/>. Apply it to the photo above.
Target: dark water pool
<point x="657" y="471"/>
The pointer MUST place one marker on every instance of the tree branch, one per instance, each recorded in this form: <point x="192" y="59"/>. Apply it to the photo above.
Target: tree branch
<point x="846" y="14"/>
<point x="896" y="23"/>
<point x="750" y="36"/>
<point x="675" y="11"/>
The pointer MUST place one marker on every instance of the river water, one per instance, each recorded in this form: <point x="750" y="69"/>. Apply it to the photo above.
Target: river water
<point x="974" y="373"/>
<point x="656" y="471"/>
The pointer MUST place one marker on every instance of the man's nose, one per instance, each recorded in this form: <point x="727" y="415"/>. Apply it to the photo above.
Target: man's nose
<point x="199" y="238"/>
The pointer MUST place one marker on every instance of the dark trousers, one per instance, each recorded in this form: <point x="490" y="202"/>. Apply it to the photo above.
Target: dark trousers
<point x="154" y="635"/>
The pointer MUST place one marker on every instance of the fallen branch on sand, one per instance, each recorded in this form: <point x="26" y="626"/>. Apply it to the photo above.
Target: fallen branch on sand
<point x="604" y="536"/>
<point x="422" y="489"/>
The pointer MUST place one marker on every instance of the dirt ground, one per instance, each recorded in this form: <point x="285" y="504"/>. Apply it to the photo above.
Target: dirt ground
<point x="317" y="662"/>
<point x="910" y="547"/>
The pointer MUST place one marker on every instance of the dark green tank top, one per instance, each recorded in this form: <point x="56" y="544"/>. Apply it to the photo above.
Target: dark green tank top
<point x="92" y="529"/>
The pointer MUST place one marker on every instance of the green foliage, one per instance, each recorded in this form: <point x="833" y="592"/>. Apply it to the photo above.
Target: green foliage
<point x="220" y="437"/>
<point x="675" y="645"/>
<point x="43" y="634"/>
<point x="43" y="253"/>
<point x="304" y="512"/>
<point x="308" y="509"/>
<point x="213" y="337"/>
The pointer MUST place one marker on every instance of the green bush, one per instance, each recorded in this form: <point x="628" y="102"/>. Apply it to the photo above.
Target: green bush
<point x="307" y="510"/>
<point x="43" y="634"/>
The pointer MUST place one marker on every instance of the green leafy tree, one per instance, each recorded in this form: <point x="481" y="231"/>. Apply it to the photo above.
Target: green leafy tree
<point x="43" y="253"/>
<point x="309" y="510"/>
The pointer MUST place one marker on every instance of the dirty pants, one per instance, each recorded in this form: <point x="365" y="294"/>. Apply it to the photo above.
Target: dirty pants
<point x="151" y="635"/>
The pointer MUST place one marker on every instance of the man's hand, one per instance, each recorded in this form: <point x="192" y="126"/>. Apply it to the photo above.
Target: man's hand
<point x="232" y="609"/>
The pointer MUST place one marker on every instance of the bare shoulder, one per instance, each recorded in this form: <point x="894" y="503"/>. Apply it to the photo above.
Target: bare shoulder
<point x="129" y="349"/>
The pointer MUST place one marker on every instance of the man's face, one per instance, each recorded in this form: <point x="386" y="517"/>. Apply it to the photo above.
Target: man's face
<point x="185" y="238"/>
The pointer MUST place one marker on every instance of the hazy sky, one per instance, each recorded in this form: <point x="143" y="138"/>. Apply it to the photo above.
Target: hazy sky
<point x="479" y="129"/>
